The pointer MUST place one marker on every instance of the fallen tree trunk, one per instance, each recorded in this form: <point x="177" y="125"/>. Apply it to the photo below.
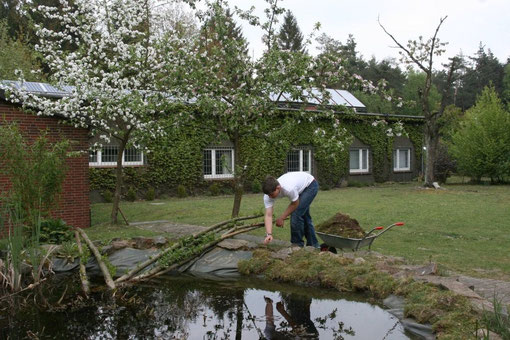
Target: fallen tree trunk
<point x="160" y="269"/>
<point x="83" y="271"/>
<point x="107" y="277"/>
<point x="181" y="244"/>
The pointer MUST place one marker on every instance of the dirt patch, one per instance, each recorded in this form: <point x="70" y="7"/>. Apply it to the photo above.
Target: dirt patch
<point x="341" y="225"/>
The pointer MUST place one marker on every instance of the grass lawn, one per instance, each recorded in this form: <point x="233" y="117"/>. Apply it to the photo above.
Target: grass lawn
<point x="464" y="228"/>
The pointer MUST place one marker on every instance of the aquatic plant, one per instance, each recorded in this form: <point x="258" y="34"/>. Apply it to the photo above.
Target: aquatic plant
<point x="10" y="219"/>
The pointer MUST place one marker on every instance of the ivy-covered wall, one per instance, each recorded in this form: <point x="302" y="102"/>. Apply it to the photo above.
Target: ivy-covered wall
<point x="175" y="160"/>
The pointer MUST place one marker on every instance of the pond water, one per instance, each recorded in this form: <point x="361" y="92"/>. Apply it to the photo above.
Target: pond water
<point x="187" y="307"/>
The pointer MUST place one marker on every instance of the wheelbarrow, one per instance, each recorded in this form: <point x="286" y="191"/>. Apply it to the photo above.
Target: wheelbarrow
<point x="355" y="243"/>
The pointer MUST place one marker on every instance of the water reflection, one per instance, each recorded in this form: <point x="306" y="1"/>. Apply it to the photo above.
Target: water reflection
<point x="297" y="317"/>
<point x="190" y="308"/>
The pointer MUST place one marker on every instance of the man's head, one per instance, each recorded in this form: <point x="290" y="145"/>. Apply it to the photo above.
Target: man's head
<point x="271" y="187"/>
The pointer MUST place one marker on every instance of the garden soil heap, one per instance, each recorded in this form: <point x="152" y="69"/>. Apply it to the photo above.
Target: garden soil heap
<point x="341" y="225"/>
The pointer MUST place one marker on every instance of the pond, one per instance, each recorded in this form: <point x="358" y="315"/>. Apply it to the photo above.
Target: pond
<point x="187" y="307"/>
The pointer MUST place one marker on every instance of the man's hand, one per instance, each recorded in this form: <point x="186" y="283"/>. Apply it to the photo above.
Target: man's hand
<point x="268" y="239"/>
<point x="279" y="222"/>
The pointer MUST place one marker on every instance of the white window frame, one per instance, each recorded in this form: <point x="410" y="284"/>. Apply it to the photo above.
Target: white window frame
<point x="99" y="161"/>
<point x="397" y="159"/>
<point x="213" y="174"/>
<point x="304" y="152"/>
<point x="360" y="169"/>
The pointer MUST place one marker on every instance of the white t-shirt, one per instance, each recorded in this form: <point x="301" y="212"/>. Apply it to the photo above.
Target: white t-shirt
<point x="292" y="185"/>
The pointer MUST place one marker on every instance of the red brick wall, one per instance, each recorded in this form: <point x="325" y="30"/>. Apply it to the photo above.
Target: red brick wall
<point x="74" y="204"/>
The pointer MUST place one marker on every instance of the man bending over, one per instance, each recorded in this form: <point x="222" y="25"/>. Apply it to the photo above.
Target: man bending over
<point x="300" y="188"/>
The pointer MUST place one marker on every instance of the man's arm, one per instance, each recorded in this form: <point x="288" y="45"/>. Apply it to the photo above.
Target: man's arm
<point x="268" y="223"/>
<point x="292" y="206"/>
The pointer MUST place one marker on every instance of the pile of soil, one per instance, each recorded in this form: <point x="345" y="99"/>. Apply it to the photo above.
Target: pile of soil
<point x="341" y="225"/>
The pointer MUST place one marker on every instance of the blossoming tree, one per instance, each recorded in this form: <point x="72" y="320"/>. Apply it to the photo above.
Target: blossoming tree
<point x="241" y="93"/>
<point x="115" y="73"/>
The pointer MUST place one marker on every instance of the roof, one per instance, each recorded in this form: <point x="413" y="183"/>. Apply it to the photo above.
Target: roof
<point x="337" y="97"/>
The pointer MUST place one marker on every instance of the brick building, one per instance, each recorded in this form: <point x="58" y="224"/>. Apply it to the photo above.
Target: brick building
<point x="74" y="203"/>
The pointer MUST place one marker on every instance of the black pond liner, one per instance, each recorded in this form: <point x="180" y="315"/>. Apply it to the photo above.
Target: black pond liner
<point x="212" y="301"/>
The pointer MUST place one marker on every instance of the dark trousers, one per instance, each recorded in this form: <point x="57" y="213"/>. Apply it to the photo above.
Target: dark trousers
<point x="301" y="221"/>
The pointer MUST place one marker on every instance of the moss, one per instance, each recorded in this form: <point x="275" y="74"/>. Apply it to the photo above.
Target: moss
<point x="260" y="261"/>
<point x="379" y="284"/>
<point x="451" y="315"/>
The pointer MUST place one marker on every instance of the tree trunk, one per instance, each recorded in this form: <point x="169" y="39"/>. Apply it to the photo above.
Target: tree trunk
<point x="83" y="271"/>
<point x="238" y="177"/>
<point x="104" y="269"/>
<point x="118" y="182"/>
<point x="432" y="127"/>
<point x="432" y="144"/>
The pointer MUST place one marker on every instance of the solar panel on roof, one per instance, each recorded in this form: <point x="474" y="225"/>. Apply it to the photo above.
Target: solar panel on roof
<point x="337" y="97"/>
<point x="41" y="88"/>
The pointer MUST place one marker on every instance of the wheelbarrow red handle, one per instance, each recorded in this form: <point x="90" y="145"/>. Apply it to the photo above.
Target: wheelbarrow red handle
<point x="381" y="228"/>
<point x="371" y="231"/>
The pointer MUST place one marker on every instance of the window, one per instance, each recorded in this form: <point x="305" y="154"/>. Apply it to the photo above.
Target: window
<point x="299" y="160"/>
<point x="401" y="159"/>
<point x="218" y="163"/>
<point x="107" y="156"/>
<point x="92" y="157"/>
<point x="132" y="156"/>
<point x="358" y="161"/>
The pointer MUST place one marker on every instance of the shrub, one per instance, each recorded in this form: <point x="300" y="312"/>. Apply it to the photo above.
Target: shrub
<point x="214" y="189"/>
<point x="181" y="191"/>
<point x="256" y="187"/>
<point x="55" y="231"/>
<point x="358" y="184"/>
<point x="227" y="190"/>
<point x="325" y="187"/>
<point x="108" y="196"/>
<point x="481" y="145"/>
<point x="36" y="170"/>
<point x="444" y="166"/>
<point x="131" y="194"/>
<point x="150" y="194"/>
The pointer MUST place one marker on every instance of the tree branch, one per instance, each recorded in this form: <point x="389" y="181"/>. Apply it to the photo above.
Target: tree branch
<point x="107" y="277"/>
<point x="148" y="262"/>
<point x="433" y="42"/>
<point x="83" y="271"/>
<point x="409" y="53"/>
<point x="158" y="270"/>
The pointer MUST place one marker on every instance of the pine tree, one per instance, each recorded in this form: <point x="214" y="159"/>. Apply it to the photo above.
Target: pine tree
<point x="16" y="55"/>
<point x="486" y="70"/>
<point x="505" y="95"/>
<point x="223" y="24"/>
<point x="290" y="37"/>
<point x="10" y="12"/>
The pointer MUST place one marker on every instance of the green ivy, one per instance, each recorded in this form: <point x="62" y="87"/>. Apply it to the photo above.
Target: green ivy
<point x="380" y="145"/>
<point x="176" y="158"/>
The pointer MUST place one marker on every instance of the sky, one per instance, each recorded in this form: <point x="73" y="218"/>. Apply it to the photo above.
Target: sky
<point x="469" y="23"/>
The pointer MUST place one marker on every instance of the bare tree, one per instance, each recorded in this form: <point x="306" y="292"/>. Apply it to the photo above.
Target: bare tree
<point x="421" y="53"/>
